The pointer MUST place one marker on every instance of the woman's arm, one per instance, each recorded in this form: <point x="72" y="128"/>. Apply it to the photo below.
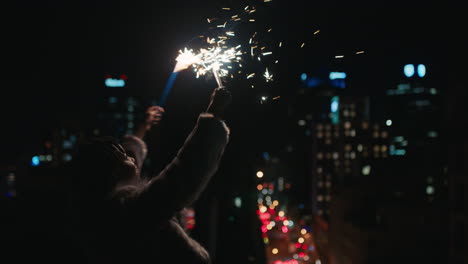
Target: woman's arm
<point x="182" y="181"/>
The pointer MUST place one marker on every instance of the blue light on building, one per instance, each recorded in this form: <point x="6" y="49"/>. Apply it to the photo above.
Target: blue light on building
<point x="409" y="70"/>
<point x="303" y="76"/>
<point x="337" y="75"/>
<point x="334" y="108"/>
<point x="35" y="161"/>
<point x="421" y="70"/>
<point x="110" y="82"/>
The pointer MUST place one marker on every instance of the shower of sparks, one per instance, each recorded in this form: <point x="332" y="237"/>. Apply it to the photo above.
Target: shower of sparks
<point x="268" y="76"/>
<point x="208" y="60"/>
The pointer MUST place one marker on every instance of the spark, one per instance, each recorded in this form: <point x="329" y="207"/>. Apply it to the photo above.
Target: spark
<point x="226" y="8"/>
<point x="303" y="44"/>
<point x="252" y="50"/>
<point x="280" y="44"/>
<point x="252" y="20"/>
<point x="230" y="33"/>
<point x="247" y="7"/>
<point x="251" y="75"/>
<point x="266" y="1"/>
<point x="209" y="21"/>
<point x="269" y="30"/>
<point x="252" y="11"/>
<point x="277" y="97"/>
<point x="267" y="53"/>
<point x="250" y="41"/>
<point x="360" y="52"/>
<point x="235" y="16"/>
<point x="268" y="76"/>
<point x="207" y="60"/>
<point x="277" y="61"/>
<point x="339" y="56"/>
<point x="316" y="32"/>
<point x="262" y="48"/>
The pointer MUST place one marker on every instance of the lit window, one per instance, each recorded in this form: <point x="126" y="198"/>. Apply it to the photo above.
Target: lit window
<point x="376" y="134"/>
<point x="352" y="133"/>
<point x="328" y="198"/>
<point x="383" y="148"/>
<point x="347" y="147"/>
<point x="328" y="184"/>
<point x="384" y="134"/>
<point x="365" y="125"/>
<point x="366" y="170"/>
<point x="430" y="190"/>
<point x="320" y="198"/>
<point x="335" y="155"/>
<point x="360" y="148"/>
<point x="319" y="135"/>
<point x="301" y="122"/>
<point x="347" y="125"/>
<point x="319" y="155"/>
<point x="352" y="155"/>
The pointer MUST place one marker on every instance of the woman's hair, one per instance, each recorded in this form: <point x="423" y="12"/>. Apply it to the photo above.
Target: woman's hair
<point x="92" y="169"/>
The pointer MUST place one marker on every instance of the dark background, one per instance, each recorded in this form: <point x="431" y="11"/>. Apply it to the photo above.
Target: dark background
<point x="55" y="54"/>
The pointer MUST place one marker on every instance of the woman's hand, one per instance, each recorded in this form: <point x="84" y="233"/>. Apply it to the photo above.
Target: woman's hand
<point x="220" y="99"/>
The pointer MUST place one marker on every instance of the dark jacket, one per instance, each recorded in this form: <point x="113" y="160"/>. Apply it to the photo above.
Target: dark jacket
<point x="139" y="225"/>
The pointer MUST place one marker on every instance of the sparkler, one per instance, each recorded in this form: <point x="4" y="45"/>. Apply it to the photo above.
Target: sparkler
<point x="213" y="59"/>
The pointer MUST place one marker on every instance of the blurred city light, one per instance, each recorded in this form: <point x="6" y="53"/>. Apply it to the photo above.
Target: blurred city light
<point x="259" y="174"/>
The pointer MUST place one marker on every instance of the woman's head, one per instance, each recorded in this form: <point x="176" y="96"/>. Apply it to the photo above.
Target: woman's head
<point x="100" y="165"/>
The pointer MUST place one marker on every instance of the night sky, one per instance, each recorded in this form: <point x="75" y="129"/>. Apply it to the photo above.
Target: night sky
<point x="57" y="53"/>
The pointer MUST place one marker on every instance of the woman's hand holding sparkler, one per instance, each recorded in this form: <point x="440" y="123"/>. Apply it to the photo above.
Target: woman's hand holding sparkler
<point x="220" y="99"/>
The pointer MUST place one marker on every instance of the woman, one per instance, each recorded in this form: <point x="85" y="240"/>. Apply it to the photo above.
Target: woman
<point x="120" y="218"/>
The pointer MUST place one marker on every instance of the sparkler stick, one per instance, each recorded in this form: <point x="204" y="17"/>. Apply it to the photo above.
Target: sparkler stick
<point x="168" y="88"/>
<point x="216" y="75"/>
